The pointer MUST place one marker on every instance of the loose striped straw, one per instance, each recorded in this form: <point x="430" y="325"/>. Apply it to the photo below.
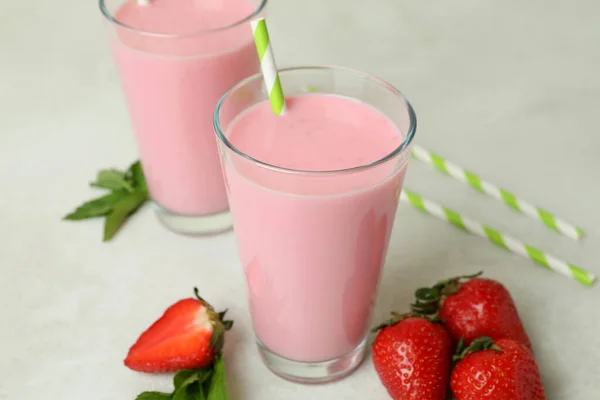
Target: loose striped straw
<point x="268" y="66"/>
<point x="474" y="181"/>
<point x="507" y="242"/>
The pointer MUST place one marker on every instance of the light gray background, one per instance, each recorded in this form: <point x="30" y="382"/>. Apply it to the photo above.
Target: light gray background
<point x="507" y="88"/>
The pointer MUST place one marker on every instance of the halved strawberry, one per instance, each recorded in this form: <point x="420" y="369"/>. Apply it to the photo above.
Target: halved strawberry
<point x="187" y="336"/>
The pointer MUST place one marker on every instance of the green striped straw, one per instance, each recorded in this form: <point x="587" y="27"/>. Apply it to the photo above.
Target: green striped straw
<point x="474" y="181"/>
<point x="268" y="66"/>
<point x="507" y="242"/>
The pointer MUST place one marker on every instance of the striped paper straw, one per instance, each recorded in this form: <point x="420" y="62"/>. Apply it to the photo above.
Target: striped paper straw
<point x="498" y="238"/>
<point x="474" y="181"/>
<point x="268" y="66"/>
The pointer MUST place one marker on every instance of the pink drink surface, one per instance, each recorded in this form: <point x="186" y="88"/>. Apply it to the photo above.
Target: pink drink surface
<point x="312" y="245"/>
<point x="171" y="86"/>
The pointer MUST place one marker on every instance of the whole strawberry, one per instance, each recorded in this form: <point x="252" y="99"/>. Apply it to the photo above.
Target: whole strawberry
<point x="412" y="358"/>
<point x="188" y="336"/>
<point x="473" y="307"/>
<point x="500" y="370"/>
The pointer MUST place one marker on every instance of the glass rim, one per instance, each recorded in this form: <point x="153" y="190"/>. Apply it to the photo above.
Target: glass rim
<point x="111" y="18"/>
<point x="399" y="149"/>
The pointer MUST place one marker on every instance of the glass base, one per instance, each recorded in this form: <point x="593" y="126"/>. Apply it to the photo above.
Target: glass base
<point x="313" y="372"/>
<point x="205" y="225"/>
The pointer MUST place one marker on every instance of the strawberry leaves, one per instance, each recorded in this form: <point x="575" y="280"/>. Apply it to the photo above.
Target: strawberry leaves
<point x="428" y="299"/>
<point x="128" y="193"/>
<point x="220" y="326"/>
<point x="195" y="384"/>
<point x="479" y="344"/>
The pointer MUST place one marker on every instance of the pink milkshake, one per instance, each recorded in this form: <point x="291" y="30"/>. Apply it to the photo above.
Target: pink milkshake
<point x="175" y="58"/>
<point x="313" y="196"/>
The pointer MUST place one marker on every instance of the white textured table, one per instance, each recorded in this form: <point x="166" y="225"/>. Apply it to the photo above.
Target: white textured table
<point x="508" y="88"/>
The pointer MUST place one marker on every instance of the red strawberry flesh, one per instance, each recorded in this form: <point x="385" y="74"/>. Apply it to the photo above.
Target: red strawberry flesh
<point x="178" y="340"/>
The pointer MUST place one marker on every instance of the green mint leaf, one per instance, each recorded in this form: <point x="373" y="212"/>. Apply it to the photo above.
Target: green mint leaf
<point x="97" y="207"/>
<point x="112" y="179"/>
<point x="154" y="396"/>
<point x="129" y="192"/>
<point x="204" y="374"/>
<point x="182" y="394"/>
<point x="198" y="394"/>
<point x="136" y="173"/>
<point x="186" y="377"/>
<point x="193" y="391"/>
<point x="121" y="210"/>
<point x="204" y="377"/>
<point x="217" y="389"/>
<point x="182" y="376"/>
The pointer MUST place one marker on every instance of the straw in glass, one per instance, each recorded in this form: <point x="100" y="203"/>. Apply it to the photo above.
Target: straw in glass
<point x="268" y="66"/>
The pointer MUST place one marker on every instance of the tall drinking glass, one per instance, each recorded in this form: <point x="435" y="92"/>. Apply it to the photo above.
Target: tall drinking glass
<point x="313" y="239"/>
<point x="175" y="59"/>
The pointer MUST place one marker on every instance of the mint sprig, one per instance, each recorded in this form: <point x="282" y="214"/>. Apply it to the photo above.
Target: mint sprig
<point x="216" y="386"/>
<point x="195" y="384"/>
<point x="112" y="179"/>
<point x="128" y="192"/>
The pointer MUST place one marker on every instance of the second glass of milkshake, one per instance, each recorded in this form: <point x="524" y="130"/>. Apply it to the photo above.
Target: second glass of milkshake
<point x="175" y="58"/>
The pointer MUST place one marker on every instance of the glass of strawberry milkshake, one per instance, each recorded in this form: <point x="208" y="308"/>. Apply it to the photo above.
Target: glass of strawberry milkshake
<point x="313" y="195"/>
<point x="175" y="58"/>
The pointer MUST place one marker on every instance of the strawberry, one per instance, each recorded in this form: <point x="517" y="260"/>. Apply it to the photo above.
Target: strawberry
<point x="412" y="357"/>
<point x="188" y="336"/>
<point x="500" y="370"/>
<point x="473" y="308"/>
